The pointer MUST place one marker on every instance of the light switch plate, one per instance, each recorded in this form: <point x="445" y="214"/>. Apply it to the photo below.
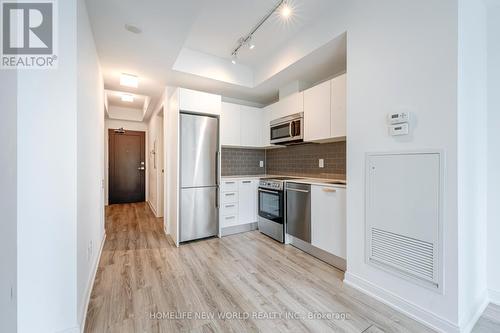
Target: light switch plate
<point x="321" y="163"/>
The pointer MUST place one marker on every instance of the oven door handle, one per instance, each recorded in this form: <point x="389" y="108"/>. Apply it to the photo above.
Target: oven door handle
<point x="267" y="191"/>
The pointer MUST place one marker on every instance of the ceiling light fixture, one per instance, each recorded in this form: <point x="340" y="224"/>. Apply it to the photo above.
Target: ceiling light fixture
<point x="285" y="10"/>
<point x="129" y="80"/>
<point x="127" y="98"/>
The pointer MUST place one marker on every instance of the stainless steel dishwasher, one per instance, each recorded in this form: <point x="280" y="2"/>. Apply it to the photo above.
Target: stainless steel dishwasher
<point x="298" y="211"/>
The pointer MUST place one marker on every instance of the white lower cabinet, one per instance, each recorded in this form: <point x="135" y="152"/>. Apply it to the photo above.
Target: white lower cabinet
<point x="328" y="219"/>
<point x="247" y="201"/>
<point x="238" y="201"/>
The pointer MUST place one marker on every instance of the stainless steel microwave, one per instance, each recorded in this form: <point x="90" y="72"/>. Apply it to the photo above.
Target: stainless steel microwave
<point x="288" y="130"/>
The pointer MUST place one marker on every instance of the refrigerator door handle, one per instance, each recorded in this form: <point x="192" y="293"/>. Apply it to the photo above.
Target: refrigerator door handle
<point x="217" y="197"/>
<point x="217" y="179"/>
<point x="216" y="168"/>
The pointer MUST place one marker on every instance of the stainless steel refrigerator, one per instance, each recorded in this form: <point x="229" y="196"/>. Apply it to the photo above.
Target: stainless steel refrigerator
<point x="199" y="173"/>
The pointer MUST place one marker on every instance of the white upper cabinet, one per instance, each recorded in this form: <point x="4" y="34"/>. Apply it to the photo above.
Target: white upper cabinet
<point x="267" y="115"/>
<point x="325" y="110"/>
<point x="339" y="109"/>
<point x="317" y="112"/>
<point x="230" y="121"/>
<point x="328" y="219"/>
<point x="251" y="126"/>
<point x="197" y="101"/>
<point x="241" y="125"/>
<point x="288" y="105"/>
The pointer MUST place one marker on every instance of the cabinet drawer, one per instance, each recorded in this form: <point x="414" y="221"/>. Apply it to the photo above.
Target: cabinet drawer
<point x="229" y="209"/>
<point x="229" y="185"/>
<point x="228" y="221"/>
<point x="229" y="197"/>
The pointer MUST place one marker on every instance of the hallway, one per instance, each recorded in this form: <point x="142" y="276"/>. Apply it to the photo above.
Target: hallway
<point x="143" y="281"/>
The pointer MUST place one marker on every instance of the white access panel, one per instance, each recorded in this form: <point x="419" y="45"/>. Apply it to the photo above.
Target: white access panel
<point x="403" y="214"/>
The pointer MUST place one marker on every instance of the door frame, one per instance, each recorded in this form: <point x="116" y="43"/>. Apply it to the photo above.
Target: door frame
<point x="143" y="135"/>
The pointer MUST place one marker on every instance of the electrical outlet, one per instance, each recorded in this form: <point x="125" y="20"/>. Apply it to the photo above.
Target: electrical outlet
<point x="261" y="164"/>
<point x="321" y="163"/>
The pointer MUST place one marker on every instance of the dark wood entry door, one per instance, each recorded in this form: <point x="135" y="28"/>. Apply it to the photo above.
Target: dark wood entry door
<point x="127" y="168"/>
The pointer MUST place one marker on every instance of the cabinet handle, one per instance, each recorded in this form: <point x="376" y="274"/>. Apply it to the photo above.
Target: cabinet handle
<point x="229" y="183"/>
<point x="246" y="181"/>
<point x="230" y="217"/>
<point x="329" y="190"/>
<point x="228" y="194"/>
<point x="297" y="190"/>
<point x="229" y="206"/>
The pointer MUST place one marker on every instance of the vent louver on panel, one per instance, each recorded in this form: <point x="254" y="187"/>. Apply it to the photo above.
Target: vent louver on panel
<point x="404" y="253"/>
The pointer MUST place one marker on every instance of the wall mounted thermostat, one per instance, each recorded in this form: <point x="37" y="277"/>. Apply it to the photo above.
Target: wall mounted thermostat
<point x="399" y="129"/>
<point x="399" y="118"/>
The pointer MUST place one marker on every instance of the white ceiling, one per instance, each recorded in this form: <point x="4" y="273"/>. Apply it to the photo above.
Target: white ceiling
<point x="222" y="22"/>
<point x="115" y="99"/>
<point x="211" y="28"/>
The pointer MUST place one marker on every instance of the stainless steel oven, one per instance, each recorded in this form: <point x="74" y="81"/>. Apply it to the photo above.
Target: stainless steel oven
<point x="287" y="130"/>
<point x="272" y="207"/>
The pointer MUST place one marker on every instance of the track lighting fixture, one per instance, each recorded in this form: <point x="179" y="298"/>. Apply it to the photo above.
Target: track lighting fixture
<point x="285" y="11"/>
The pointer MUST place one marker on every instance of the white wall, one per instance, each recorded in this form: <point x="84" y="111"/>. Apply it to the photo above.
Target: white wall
<point x="127" y="125"/>
<point x="494" y="152"/>
<point x="90" y="160"/>
<point x="121" y="113"/>
<point x="8" y="201"/>
<point x="397" y="63"/>
<point x="46" y="180"/>
<point x="171" y="125"/>
<point x="472" y="161"/>
<point x="155" y="187"/>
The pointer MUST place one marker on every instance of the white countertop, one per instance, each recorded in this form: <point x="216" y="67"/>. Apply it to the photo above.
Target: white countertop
<point x="302" y="180"/>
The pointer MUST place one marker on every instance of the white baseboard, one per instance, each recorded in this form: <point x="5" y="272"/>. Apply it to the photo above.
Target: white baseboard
<point x="152" y="208"/>
<point x="494" y="296"/>
<point x="469" y="325"/>
<point x="238" y="229"/>
<point x="401" y="305"/>
<point x="88" y="291"/>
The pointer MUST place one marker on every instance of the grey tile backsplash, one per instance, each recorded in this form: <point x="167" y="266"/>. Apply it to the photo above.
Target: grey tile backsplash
<point x="300" y="160"/>
<point x="239" y="161"/>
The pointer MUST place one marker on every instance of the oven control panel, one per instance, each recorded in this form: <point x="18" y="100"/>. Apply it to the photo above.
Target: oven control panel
<point x="272" y="185"/>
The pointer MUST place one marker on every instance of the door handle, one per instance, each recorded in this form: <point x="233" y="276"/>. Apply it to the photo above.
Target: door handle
<point x="141" y="168"/>
<point x="297" y="190"/>
<point x="266" y="191"/>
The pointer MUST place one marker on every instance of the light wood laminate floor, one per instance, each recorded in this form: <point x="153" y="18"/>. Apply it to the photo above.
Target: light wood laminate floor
<point x="145" y="284"/>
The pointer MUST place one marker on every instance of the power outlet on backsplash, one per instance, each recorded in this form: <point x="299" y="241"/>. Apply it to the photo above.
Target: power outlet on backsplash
<point x="261" y="164"/>
<point x="321" y="163"/>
